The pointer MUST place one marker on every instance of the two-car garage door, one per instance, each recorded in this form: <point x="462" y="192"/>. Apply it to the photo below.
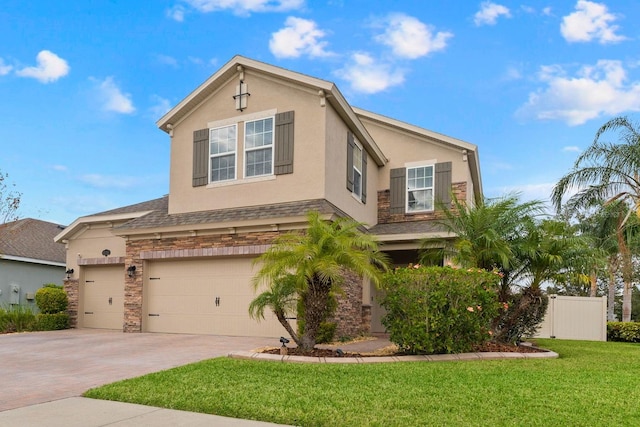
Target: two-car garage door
<point x="186" y="296"/>
<point x="203" y="297"/>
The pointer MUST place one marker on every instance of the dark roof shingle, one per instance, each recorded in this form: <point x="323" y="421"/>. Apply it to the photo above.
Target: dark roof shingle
<point x="32" y="238"/>
<point x="160" y="218"/>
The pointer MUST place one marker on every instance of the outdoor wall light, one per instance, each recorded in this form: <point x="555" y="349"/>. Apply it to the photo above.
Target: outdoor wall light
<point x="69" y="273"/>
<point x="131" y="270"/>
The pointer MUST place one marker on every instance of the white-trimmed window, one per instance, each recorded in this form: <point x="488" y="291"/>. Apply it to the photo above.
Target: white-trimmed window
<point x="420" y="188"/>
<point x="222" y="152"/>
<point x="357" y="170"/>
<point x="258" y="147"/>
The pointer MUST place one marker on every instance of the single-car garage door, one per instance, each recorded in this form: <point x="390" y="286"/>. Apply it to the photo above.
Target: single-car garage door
<point x="103" y="297"/>
<point x="204" y="297"/>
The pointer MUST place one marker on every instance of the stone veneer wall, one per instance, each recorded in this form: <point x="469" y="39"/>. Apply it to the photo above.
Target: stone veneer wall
<point x="385" y="217"/>
<point x="72" y="288"/>
<point x="349" y="312"/>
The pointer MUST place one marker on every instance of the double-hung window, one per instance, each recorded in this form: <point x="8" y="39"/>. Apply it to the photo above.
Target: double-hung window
<point x="420" y="189"/>
<point x="222" y="151"/>
<point x="357" y="170"/>
<point x="258" y="147"/>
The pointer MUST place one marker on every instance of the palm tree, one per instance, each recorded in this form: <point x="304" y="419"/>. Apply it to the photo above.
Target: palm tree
<point x="608" y="172"/>
<point x="487" y="234"/>
<point x="315" y="262"/>
<point x="554" y="251"/>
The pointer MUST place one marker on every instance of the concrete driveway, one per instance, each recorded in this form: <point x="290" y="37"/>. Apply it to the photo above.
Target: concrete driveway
<point x="44" y="366"/>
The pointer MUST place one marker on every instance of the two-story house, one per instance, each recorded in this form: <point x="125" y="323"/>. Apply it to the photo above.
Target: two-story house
<point x="253" y="149"/>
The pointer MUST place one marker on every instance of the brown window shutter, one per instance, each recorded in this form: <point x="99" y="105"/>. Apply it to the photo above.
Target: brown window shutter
<point x="283" y="156"/>
<point x="364" y="177"/>
<point x="442" y="190"/>
<point x="350" y="145"/>
<point x="398" y="191"/>
<point x="200" y="157"/>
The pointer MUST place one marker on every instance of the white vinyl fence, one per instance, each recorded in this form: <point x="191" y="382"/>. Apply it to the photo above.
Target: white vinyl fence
<point x="575" y="318"/>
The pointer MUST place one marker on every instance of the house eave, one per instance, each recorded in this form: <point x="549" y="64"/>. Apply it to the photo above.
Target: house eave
<point x="227" y="227"/>
<point x="471" y="150"/>
<point x="32" y="260"/>
<point x="85" y="221"/>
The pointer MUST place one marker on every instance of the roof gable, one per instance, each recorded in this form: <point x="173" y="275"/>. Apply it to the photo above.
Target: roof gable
<point x="239" y="64"/>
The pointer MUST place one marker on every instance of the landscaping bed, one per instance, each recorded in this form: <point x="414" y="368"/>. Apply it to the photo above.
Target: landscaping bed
<point x="489" y="347"/>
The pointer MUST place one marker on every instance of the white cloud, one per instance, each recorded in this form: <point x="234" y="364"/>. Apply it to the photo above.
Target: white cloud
<point x="49" y="69"/>
<point x="167" y="60"/>
<point x="161" y="106"/>
<point x="112" y="98"/>
<point x="596" y="90"/>
<point x="489" y="13"/>
<point x="513" y="72"/>
<point x="4" y="69"/>
<point x="176" y="13"/>
<point x="298" y="37"/>
<point x="245" y="7"/>
<point x="59" y="168"/>
<point x="410" y="38"/>
<point x="590" y="21"/>
<point x="547" y="11"/>
<point x="106" y="181"/>
<point x="528" y="192"/>
<point x="366" y="75"/>
<point x="571" y="149"/>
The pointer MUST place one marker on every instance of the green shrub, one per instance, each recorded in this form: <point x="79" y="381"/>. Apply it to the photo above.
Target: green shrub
<point x="623" y="331"/>
<point x="51" y="300"/>
<point x="525" y="312"/>
<point x="51" y="322"/>
<point x="16" y="318"/>
<point x="434" y="310"/>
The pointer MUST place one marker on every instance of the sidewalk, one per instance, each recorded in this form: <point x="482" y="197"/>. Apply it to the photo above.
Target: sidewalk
<point x="83" y="412"/>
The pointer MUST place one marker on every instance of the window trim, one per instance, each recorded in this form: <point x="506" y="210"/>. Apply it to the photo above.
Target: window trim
<point x="227" y="153"/>
<point x="432" y="188"/>
<point x="357" y="146"/>
<point x="246" y="150"/>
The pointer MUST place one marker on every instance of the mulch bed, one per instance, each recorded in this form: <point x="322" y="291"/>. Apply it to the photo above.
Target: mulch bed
<point x="490" y="347"/>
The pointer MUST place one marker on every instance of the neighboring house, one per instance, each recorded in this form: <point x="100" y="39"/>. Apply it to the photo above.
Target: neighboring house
<point x="253" y="149"/>
<point x="29" y="258"/>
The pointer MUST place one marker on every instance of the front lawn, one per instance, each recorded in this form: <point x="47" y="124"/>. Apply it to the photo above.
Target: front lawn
<point x="592" y="383"/>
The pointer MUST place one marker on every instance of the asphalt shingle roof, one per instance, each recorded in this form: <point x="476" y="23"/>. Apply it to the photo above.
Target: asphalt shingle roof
<point x="32" y="238"/>
<point x="160" y="218"/>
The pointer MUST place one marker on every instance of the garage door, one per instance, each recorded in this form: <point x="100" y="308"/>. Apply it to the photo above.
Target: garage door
<point x="103" y="297"/>
<point x="204" y="297"/>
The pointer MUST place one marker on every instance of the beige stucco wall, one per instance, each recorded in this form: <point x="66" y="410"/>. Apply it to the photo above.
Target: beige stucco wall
<point x="336" y="174"/>
<point x="91" y="241"/>
<point x="402" y="147"/>
<point x="307" y="180"/>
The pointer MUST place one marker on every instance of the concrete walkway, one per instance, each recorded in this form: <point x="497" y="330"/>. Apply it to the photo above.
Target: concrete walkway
<point x="83" y="412"/>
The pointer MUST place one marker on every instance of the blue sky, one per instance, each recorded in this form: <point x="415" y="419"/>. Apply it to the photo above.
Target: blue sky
<point x="82" y="83"/>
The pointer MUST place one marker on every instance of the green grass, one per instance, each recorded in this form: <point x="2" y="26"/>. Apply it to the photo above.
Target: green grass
<point x="592" y="383"/>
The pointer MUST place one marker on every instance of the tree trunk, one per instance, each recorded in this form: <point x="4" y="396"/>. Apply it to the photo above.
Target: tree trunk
<point x="613" y="261"/>
<point x="315" y="301"/>
<point x="627" y="274"/>
<point x="285" y="323"/>
<point x="593" y="279"/>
